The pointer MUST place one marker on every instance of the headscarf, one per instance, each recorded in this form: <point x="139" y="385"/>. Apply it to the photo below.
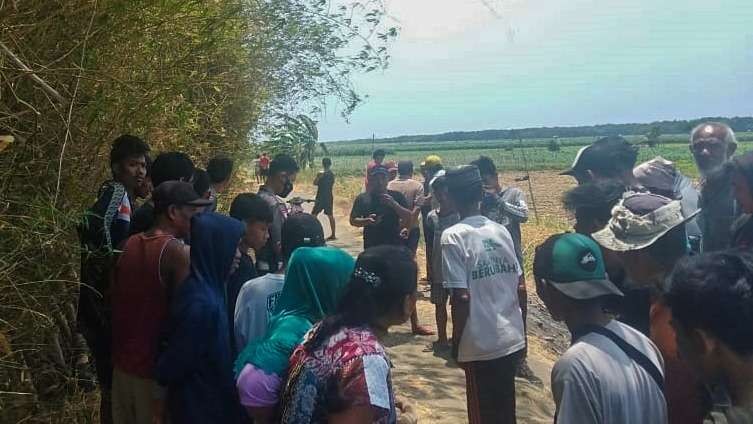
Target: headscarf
<point x="315" y="281"/>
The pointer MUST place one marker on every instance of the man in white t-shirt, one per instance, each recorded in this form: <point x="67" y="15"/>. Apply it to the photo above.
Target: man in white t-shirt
<point x="479" y="266"/>
<point x="611" y="373"/>
<point x="257" y="298"/>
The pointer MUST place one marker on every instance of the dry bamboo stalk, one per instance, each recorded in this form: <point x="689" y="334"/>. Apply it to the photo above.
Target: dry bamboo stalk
<point x="46" y="87"/>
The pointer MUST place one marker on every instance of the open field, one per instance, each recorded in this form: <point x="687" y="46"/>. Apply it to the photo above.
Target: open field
<point x="351" y="158"/>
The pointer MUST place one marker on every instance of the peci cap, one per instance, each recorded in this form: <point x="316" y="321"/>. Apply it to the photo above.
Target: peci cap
<point x="639" y="220"/>
<point x="463" y="176"/>
<point x="599" y="155"/>
<point x="574" y="265"/>
<point x="177" y="193"/>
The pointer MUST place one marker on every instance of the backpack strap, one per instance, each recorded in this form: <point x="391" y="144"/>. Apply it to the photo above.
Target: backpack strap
<point x="632" y="353"/>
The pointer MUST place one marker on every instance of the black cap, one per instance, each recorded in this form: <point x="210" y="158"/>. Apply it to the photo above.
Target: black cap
<point x="463" y="176"/>
<point x="600" y="155"/>
<point x="301" y="230"/>
<point x="176" y="193"/>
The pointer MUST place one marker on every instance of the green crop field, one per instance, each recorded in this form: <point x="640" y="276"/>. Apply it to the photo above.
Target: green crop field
<point x="509" y="155"/>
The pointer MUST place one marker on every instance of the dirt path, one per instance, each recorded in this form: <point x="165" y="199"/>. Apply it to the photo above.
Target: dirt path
<point x="430" y="380"/>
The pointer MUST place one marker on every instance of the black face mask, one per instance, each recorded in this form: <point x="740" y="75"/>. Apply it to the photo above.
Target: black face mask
<point x="286" y="190"/>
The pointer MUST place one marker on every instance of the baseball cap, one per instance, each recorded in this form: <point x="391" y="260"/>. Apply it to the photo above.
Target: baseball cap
<point x="574" y="265"/>
<point x="301" y="230"/>
<point x="639" y="220"/>
<point x="178" y="193"/>
<point x="379" y="170"/>
<point x="656" y="174"/>
<point x="599" y="155"/>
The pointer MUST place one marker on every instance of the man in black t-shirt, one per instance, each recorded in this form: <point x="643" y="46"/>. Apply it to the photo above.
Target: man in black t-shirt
<point x="382" y="213"/>
<point x="325" y="181"/>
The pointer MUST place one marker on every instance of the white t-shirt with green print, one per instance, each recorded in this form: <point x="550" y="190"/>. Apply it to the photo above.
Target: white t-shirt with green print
<point x="478" y="254"/>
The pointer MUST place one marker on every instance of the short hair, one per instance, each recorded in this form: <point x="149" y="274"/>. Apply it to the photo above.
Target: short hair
<point x="283" y="163"/>
<point x="462" y="196"/>
<point x="714" y="292"/>
<point x="172" y="166"/>
<point x="379" y="153"/>
<point x="485" y="165"/>
<point x="727" y="134"/>
<point x="326" y="162"/>
<point x="405" y="167"/>
<point x="127" y="146"/>
<point x="219" y="169"/>
<point x="250" y="207"/>
<point x="594" y="201"/>
<point x="200" y="181"/>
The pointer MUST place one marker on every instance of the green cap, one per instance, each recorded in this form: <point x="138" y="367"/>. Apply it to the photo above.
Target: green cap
<point x="574" y="265"/>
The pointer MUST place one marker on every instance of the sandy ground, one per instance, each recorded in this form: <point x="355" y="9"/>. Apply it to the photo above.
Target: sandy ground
<point x="429" y="379"/>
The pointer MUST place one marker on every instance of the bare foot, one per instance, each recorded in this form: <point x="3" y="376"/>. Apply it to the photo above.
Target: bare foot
<point x="331" y="238"/>
<point x="420" y="330"/>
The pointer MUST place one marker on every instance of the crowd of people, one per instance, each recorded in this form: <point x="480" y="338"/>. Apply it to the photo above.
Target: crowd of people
<point x="193" y="316"/>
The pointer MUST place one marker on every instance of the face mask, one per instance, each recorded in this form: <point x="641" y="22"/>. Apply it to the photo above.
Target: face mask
<point x="286" y="190"/>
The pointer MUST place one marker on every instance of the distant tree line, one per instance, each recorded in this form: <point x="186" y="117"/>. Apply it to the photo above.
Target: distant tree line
<point x="738" y="124"/>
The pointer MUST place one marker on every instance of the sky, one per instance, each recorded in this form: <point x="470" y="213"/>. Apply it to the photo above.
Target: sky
<point x="493" y="64"/>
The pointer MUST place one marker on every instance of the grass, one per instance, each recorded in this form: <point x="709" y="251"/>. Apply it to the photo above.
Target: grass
<point x="351" y="159"/>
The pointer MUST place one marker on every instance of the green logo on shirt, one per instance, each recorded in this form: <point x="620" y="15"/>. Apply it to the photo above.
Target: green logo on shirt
<point x="490" y="245"/>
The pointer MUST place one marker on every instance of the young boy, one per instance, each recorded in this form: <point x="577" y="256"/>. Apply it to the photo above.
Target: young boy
<point x="254" y="212"/>
<point x="488" y="294"/>
<point x="325" y="181"/>
<point x="103" y="229"/>
<point x="611" y="373"/>
<point x="441" y="218"/>
<point x="257" y="298"/>
<point x="281" y="175"/>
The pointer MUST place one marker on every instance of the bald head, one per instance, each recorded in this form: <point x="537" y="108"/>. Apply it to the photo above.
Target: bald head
<point x="712" y="144"/>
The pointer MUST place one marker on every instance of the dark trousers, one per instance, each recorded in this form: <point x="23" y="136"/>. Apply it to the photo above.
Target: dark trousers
<point x="99" y="341"/>
<point x="490" y="389"/>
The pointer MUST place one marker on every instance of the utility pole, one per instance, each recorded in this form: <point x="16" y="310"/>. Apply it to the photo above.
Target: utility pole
<point x="528" y="176"/>
<point x="373" y="138"/>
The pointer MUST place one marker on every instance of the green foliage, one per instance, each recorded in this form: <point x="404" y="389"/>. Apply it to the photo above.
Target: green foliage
<point x="554" y="145"/>
<point x="296" y="136"/>
<point x="738" y="124"/>
<point x="197" y="76"/>
<point x="653" y="136"/>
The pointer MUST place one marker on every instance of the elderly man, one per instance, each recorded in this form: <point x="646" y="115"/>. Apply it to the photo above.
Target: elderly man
<point x="712" y="145"/>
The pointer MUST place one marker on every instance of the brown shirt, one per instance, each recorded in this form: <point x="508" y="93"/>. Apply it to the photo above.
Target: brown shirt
<point x="411" y="189"/>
